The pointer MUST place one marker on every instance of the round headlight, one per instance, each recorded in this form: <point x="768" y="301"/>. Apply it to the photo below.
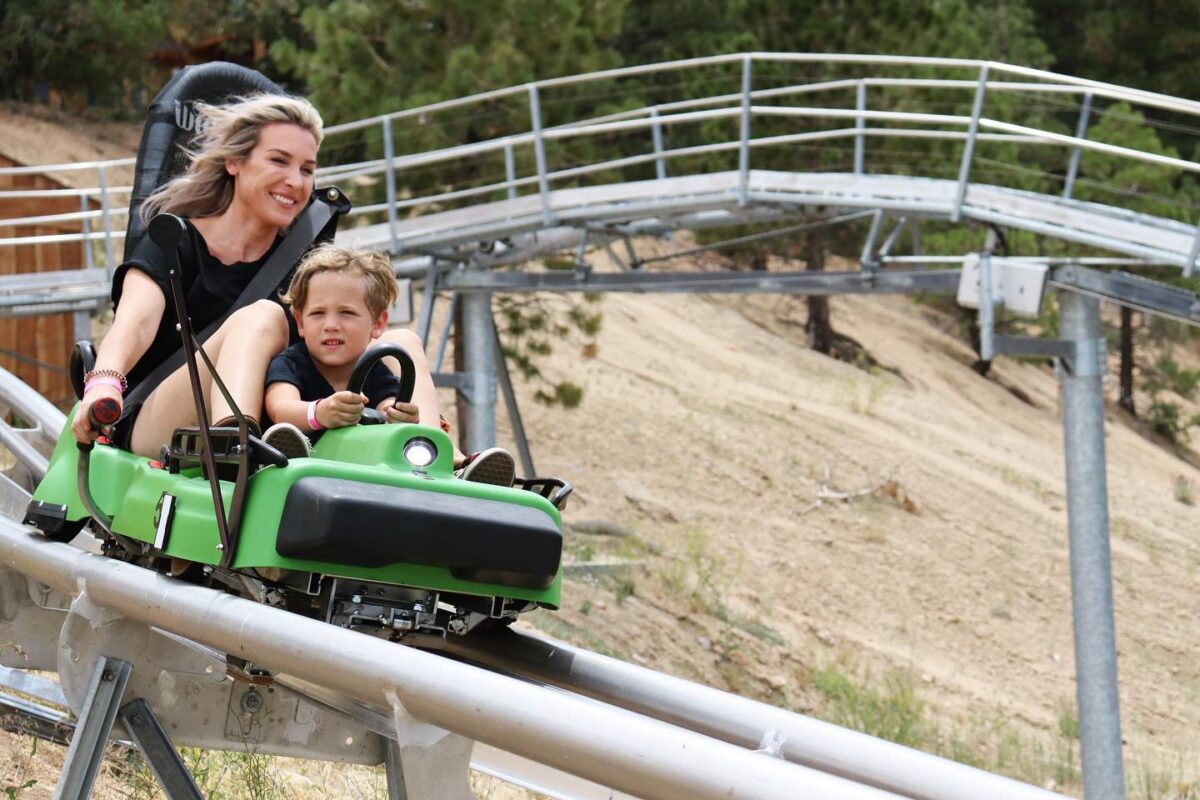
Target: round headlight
<point x="420" y="452"/>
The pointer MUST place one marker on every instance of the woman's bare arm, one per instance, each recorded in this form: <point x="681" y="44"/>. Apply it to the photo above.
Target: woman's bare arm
<point x="134" y="325"/>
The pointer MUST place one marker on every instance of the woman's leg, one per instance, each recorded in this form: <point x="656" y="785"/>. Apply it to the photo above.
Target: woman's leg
<point x="424" y="393"/>
<point x="255" y="334"/>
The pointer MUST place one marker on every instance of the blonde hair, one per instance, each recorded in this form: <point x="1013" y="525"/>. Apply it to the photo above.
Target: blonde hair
<point x="379" y="278"/>
<point x="227" y="133"/>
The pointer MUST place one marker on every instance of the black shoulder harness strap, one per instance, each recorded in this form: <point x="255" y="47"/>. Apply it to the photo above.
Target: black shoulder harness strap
<point x="303" y="233"/>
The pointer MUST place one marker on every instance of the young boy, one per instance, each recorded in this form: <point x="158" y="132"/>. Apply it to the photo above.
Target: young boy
<point x="340" y="299"/>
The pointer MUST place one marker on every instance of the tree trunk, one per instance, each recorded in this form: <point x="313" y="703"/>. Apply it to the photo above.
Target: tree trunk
<point x="1125" y="400"/>
<point x="818" y="327"/>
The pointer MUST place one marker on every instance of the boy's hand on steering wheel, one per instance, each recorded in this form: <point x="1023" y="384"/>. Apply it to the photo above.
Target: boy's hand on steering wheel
<point x="341" y="409"/>
<point x="402" y="412"/>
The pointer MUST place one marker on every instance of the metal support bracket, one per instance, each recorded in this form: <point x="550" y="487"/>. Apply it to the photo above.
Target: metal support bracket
<point x="459" y="381"/>
<point x="635" y="262"/>
<point x="440" y="769"/>
<point x="1082" y="358"/>
<point x="160" y="754"/>
<point x="868" y="259"/>
<point x="886" y="248"/>
<point x="91" y="734"/>
<point x="616" y="259"/>
<point x="430" y="297"/>
<point x="514" y="412"/>
<point x="581" y="264"/>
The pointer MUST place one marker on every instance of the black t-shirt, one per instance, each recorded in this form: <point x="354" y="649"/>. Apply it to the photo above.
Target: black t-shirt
<point x="295" y="366"/>
<point x="210" y="289"/>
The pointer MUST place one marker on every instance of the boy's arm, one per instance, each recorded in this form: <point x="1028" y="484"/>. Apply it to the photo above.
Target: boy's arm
<point x="284" y="405"/>
<point x="338" y="410"/>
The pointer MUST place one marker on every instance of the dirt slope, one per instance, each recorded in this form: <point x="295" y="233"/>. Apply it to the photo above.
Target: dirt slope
<point x="708" y="429"/>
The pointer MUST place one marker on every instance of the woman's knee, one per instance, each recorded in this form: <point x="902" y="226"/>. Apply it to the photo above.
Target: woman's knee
<point x="406" y="339"/>
<point x="262" y="324"/>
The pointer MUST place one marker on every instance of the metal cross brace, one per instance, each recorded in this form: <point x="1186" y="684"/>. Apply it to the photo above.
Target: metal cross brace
<point x="98" y="713"/>
<point x="158" y="751"/>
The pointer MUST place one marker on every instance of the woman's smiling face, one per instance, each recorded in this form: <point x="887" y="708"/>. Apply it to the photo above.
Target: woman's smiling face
<point x="275" y="181"/>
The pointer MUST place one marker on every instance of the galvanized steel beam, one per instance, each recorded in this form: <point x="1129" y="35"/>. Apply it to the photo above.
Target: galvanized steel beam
<point x="800" y="283"/>
<point x="741" y="721"/>
<point x="1090" y="555"/>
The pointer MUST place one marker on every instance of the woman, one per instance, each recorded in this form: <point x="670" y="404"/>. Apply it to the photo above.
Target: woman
<point x="249" y="178"/>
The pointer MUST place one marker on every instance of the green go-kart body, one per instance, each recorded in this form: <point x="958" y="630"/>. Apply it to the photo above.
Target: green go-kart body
<point x="355" y="515"/>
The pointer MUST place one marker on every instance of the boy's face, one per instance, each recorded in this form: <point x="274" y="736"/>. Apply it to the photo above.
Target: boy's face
<point x="336" y="325"/>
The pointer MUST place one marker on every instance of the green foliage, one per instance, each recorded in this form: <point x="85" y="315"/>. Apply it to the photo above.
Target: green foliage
<point x="894" y="712"/>
<point x="1164" y="414"/>
<point x="373" y="57"/>
<point x="92" y="45"/>
<point x="1148" y="46"/>
<point x="1068" y="725"/>
<point x="565" y="394"/>
<point x="1184" y="493"/>
<point x="1166" y="418"/>
<point x="12" y="792"/>
<point x="1118" y="180"/>
<point x="530" y="327"/>
<point x="1167" y="375"/>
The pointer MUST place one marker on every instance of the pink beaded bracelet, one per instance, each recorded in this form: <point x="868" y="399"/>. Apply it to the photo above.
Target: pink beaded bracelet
<point x="115" y="374"/>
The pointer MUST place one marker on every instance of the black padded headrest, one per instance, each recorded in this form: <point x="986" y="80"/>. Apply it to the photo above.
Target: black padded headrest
<point x="171" y="127"/>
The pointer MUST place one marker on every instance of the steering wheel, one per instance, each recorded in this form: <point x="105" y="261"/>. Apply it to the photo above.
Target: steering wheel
<point x="362" y="367"/>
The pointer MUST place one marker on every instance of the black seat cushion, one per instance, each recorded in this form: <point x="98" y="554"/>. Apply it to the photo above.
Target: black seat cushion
<point x="368" y="525"/>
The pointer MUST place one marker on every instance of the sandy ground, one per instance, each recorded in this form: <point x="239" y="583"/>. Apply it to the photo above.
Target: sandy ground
<point x="36" y="135"/>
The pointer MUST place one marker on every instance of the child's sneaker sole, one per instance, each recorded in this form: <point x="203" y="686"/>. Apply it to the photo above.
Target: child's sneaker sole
<point x="288" y="439"/>
<point x="494" y="465"/>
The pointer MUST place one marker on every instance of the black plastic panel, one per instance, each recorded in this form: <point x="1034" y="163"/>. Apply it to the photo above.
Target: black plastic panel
<point x="367" y="525"/>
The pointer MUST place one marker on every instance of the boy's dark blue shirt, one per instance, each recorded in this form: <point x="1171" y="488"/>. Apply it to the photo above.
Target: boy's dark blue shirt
<point x="295" y="366"/>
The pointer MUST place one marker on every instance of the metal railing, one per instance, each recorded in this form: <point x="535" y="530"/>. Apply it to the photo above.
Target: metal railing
<point x="556" y="133"/>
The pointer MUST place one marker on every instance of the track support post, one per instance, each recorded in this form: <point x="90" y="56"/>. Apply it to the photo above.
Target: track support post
<point x="1091" y="561"/>
<point x="437" y="771"/>
<point x="96" y="719"/>
<point x="480" y="347"/>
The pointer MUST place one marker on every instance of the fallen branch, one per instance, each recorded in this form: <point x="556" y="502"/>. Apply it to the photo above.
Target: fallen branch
<point x="824" y="493"/>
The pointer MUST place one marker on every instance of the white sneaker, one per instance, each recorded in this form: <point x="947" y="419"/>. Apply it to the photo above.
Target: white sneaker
<point x="494" y="465"/>
<point x="288" y="439"/>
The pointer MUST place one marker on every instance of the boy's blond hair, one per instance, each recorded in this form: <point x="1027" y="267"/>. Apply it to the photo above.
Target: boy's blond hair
<point x="379" y="279"/>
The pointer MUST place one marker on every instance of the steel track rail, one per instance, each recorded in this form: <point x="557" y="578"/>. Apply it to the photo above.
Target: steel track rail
<point x="738" y="720"/>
